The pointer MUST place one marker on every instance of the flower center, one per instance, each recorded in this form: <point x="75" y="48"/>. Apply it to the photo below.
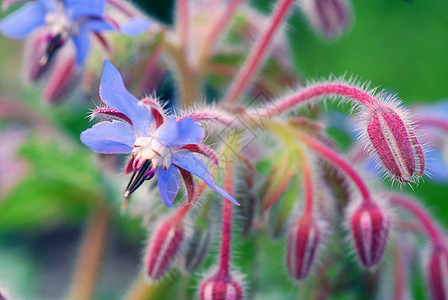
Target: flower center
<point x="58" y="22"/>
<point x="149" y="148"/>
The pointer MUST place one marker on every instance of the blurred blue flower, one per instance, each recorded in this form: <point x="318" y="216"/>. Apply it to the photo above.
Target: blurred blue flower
<point x="432" y="120"/>
<point x="135" y="26"/>
<point x="159" y="146"/>
<point x="63" y="20"/>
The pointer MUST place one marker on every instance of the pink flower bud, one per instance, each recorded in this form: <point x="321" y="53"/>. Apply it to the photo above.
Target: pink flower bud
<point x="437" y="272"/>
<point x="395" y="144"/>
<point x="221" y="286"/>
<point x="35" y="48"/>
<point x="370" y="227"/>
<point x="303" y="241"/>
<point x="328" y="17"/>
<point x="163" y="247"/>
<point x="61" y="79"/>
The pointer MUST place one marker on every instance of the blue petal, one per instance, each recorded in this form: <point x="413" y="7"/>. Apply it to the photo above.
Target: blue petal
<point x="436" y="166"/>
<point x="95" y="25"/>
<point x="189" y="132"/>
<point x="82" y="45"/>
<point x="168" y="131"/>
<point x="109" y="137"/>
<point x="50" y="5"/>
<point x="82" y="8"/>
<point x="173" y="134"/>
<point x="168" y="182"/>
<point x="135" y="26"/>
<point x="193" y="164"/>
<point x="438" y="109"/>
<point x="114" y="93"/>
<point x="343" y="123"/>
<point x="24" y="20"/>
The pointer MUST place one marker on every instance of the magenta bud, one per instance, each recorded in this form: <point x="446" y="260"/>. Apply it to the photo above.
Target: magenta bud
<point x="221" y="286"/>
<point x="437" y="272"/>
<point x="370" y="227"/>
<point x="303" y="242"/>
<point x="163" y="247"/>
<point x="328" y="17"/>
<point x="61" y="79"/>
<point x="395" y="144"/>
<point x="34" y="50"/>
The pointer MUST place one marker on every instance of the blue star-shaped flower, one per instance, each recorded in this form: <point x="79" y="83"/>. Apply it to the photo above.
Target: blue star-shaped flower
<point x="68" y="19"/>
<point x="160" y="145"/>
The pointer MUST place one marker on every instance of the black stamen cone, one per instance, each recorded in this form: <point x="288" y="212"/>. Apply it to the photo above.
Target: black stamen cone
<point x="54" y="44"/>
<point x="137" y="178"/>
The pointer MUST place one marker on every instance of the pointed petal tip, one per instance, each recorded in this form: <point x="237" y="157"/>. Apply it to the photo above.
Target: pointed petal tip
<point x="234" y="202"/>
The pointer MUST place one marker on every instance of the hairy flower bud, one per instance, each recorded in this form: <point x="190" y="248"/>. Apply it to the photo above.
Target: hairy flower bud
<point x="328" y="17"/>
<point x="34" y="50"/>
<point x="303" y="241"/>
<point x="163" y="247"/>
<point x="221" y="286"/>
<point x="370" y="227"/>
<point x="437" y="273"/>
<point x="395" y="144"/>
<point x="61" y="79"/>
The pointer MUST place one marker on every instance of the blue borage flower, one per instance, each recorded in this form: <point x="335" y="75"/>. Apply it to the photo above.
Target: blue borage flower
<point x="67" y="19"/>
<point x="433" y="123"/>
<point x="160" y="145"/>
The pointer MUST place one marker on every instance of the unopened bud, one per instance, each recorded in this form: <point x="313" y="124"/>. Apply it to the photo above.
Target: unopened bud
<point x="221" y="286"/>
<point x="328" y="17"/>
<point x="35" y="48"/>
<point x="163" y="247"/>
<point x="61" y="79"/>
<point x="395" y="144"/>
<point x="303" y="242"/>
<point x="437" y="272"/>
<point x="370" y="227"/>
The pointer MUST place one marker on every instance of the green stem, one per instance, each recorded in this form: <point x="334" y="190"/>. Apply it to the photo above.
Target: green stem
<point x="89" y="260"/>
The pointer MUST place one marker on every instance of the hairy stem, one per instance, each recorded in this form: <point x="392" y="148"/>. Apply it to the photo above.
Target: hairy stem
<point x="91" y="251"/>
<point x="258" y="52"/>
<point x="431" y="228"/>
<point x="331" y="156"/>
<point x="217" y="30"/>
<point x="307" y="182"/>
<point x="434" y="122"/>
<point x="400" y="274"/>
<point x="313" y="92"/>
<point x="149" y="69"/>
<point x="224" y="264"/>
<point x="190" y="84"/>
<point x="182" y="16"/>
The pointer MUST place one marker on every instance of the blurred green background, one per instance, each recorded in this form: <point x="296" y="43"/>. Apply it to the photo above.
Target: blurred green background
<point x="399" y="45"/>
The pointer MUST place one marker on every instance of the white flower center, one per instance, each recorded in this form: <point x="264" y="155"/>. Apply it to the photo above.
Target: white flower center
<point x="58" y="22"/>
<point x="149" y="148"/>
